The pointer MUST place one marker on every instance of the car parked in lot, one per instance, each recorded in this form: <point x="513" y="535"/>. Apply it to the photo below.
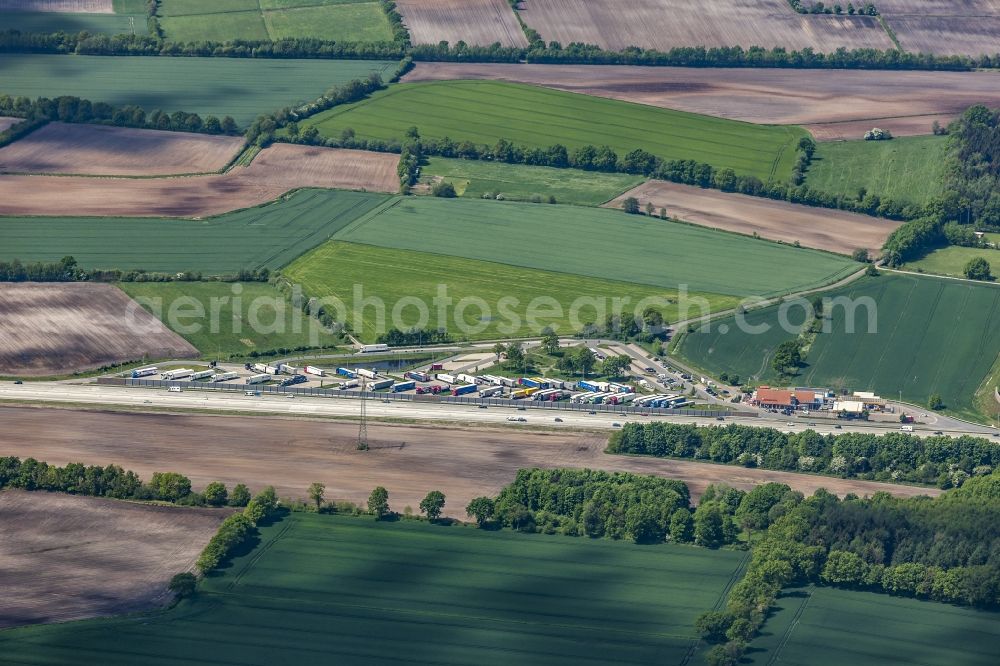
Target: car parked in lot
<point x="558" y="420"/>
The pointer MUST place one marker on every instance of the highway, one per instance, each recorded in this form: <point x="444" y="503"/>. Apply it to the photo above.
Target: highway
<point x="93" y="395"/>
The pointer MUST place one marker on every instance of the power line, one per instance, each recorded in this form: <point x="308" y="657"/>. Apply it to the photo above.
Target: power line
<point x="363" y="425"/>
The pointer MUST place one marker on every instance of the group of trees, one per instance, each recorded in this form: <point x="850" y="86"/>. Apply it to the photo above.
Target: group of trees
<point x="944" y="549"/>
<point x="896" y="456"/>
<point x="67" y="270"/>
<point x="70" y="109"/>
<point x="114" y="482"/>
<point x="414" y="336"/>
<point x="867" y="9"/>
<point x="236" y="530"/>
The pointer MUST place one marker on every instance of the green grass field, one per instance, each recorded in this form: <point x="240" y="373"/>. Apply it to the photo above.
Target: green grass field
<point x="267" y="236"/>
<point x="226" y="20"/>
<point x="517" y="182"/>
<point x="484" y="111"/>
<point x="933" y="336"/>
<point x="102" y="24"/>
<point x="829" y="627"/>
<point x="264" y="320"/>
<point x="240" y="87"/>
<point x="951" y="260"/>
<point x="334" y="268"/>
<point x="598" y="243"/>
<point x="908" y="169"/>
<point x="329" y="589"/>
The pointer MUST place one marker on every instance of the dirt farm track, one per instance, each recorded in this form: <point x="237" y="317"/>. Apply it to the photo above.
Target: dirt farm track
<point x="276" y="170"/>
<point x="832" y="106"/>
<point x="408" y="460"/>
<point x="66" y="557"/>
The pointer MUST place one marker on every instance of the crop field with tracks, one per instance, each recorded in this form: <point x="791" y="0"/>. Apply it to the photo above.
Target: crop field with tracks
<point x="475" y="22"/>
<point x="267" y="236"/>
<point x="102" y="150"/>
<point x="931" y="336"/>
<point x="230" y="318"/>
<point x="662" y="24"/>
<point x="250" y="86"/>
<point x="275" y="171"/>
<point x="355" y="590"/>
<point x="944" y="27"/>
<point x="66" y="557"/>
<point x="909" y="169"/>
<point x="262" y="20"/>
<point x="333" y="269"/>
<point x="473" y="179"/>
<point x="825" y="626"/>
<point x="61" y="328"/>
<point x="484" y="111"/>
<point x="657" y="252"/>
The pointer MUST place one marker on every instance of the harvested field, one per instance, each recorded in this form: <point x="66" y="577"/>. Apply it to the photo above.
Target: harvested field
<point x="6" y="122"/>
<point x="820" y="228"/>
<point x="100" y="150"/>
<point x="407" y="460"/>
<point x="67" y="557"/>
<point x="59" y="328"/>
<point x="276" y="170"/>
<point x="76" y="6"/>
<point x="476" y="22"/>
<point x="948" y="35"/>
<point x="906" y="103"/>
<point x="662" y="24"/>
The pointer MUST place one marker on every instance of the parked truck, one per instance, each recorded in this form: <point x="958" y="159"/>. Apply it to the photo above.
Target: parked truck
<point x="369" y="349"/>
<point x="445" y="377"/>
<point x="417" y="375"/>
<point x="313" y="370"/>
<point x="468" y="379"/>
<point x="380" y="384"/>
<point x="259" y="379"/>
<point x="144" y="372"/>
<point x="171" y="375"/>
<point x="465" y="390"/>
<point x="404" y="386"/>
<point x="490" y="391"/>
<point x="294" y="379"/>
<point x="201" y="374"/>
<point x="344" y="372"/>
<point x="349" y="384"/>
<point x="224" y="376"/>
<point x="366" y="373"/>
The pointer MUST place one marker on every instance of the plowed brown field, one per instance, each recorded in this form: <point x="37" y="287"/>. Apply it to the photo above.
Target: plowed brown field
<point x="475" y="22"/>
<point x="6" y="122"/>
<point x="65" y="327"/>
<point x="78" y="6"/>
<point x="821" y="228"/>
<point x="66" y="557"/>
<point x="834" y="105"/>
<point x="277" y="169"/>
<point x="99" y="150"/>
<point x="663" y="24"/>
<point x="408" y="460"/>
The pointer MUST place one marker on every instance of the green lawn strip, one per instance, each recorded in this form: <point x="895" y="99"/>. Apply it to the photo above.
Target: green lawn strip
<point x="515" y="182"/>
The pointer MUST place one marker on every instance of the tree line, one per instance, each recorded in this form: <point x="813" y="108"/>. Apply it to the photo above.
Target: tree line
<point x="70" y="109"/>
<point x="893" y="457"/>
<point x="114" y="482"/>
<point x="68" y="270"/>
<point x="237" y="530"/>
<point x="944" y="549"/>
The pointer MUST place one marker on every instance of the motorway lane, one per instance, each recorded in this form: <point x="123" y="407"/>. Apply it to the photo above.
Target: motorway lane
<point x="97" y="395"/>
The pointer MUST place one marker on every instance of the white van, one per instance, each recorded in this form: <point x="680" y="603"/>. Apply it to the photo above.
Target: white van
<point x="174" y="389"/>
